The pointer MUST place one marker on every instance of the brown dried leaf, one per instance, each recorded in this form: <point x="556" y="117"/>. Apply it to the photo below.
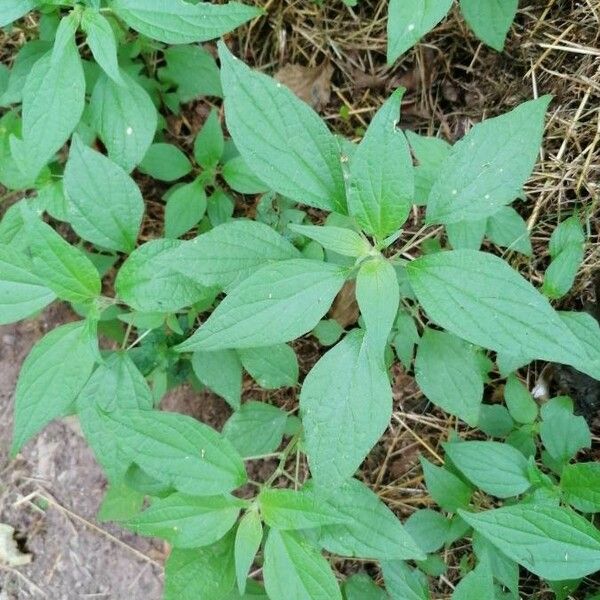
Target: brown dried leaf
<point x="345" y="308"/>
<point x="9" y="552"/>
<point x="311" y="84"/>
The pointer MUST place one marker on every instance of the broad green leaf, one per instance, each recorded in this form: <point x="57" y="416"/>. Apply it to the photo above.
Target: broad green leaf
<point x="291" y="509"/>
<point x="428" y="528"/>
<point x="15" y="9"/>
<point x="66" y="270"/>
<point x="430" y="153"/>
<point x="178" y="450"/>
<point x="551" y="542"/>
<point x="22" y="293"/>
<point x="508" y="229"/>
<point x="255" y="429"/>
<point x="124" y="118"/>
<point x="560" y="274"/>
<point x="240" y="178"/>
<point x="409" y="21"/>
<point x="563" y="434"/>
<point x="370" y="530"/>
<point x="187" y="521"/>
<point x="27" y="56"/>
<point x="476" y="584"/>
<point x="586" y="329"/>
<point x="488" y="167"/>
<point x="568" y="233"/>
<point x="521" y="405"/>
<point x="102" y="43"/>
<point x="466" y="235"/>
<point x="154" y="279"/>
<point x="450" y="492"/>
<point x="504" y="569"/>
<point x="271" y="367"/>
<point x="221" y="371"/>
<point x="378" y="297"/>
<point x="51" y="378"/>
<point x="280" y="137"/>
<point x="361" y="587"/>
<point x="478" y="297"/>
<point x="406" y="337"/>
<point x="495" y="420"/>
<point x="119" y="503"/>
<point x="209" y="143"/>
<point x="277" y="303"/>
<point x="447" y="371"/>
<point x="404" y="583"/>
<point x="11" y="176"/>
<point x="117" y="383"/>
<point x="247" y="542"/>
<point x="580" y="484"/>
<point x="193" y="71"/>
<point x="490" y="20"/>
<point x="105" y="205"/>
<point x="165" y="162"/>
<point x="381" y="183"/>
<point x="497" y="468"/>
<point x="185" y="207"/>
<point x="294" y="569"/>
<point x="180" y="22"/>
<point x="337" y="239"/>
<point x="201" y="573"/>
<point x="54" y="87"/>
<point x="340" y="432"/>
<point x="230" y="252"/>
<point x="328" y="332"/>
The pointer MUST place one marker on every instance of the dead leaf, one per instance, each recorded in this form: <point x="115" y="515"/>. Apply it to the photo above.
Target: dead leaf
<point x="345" y="308"/>
<point x="9" y="552"/>
<point x="311" y="84"/>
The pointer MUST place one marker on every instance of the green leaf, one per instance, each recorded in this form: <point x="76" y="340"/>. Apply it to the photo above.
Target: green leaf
<point x="381" y="183"/>
<point x="378" y="297"/>
<point x="447" y="371"/>
<point x="105" y="205"/>
<point x="221" y="371"/>
<point x="508" y="229"/>
<point x="495" y="420"/>
<point x="488" y="167"/>
<point x="294" y="569"/>
<point x="429" y="528"/>
<point x="22" y="293"/>
<point x="568" y="233"/>
<point x="124" y="118"/>
<point x="446" y="489"/>
<point x="119" y="503"/>
<point x="406" y="337"/>
<point x="209" y="143"/>
<point x="562" y="433"/>
<point x="521" y="405"/>
<point x="505" y="570"/>
<point x="117" y="383"/>
<point x="551" y="542"/>
<point x="154" y="279"/>
<point x="66" y="270"/>
<point x="466" y="234"/>
<point x="404" y="583"/>
<point x="102" y="43"/>
<point x="193" y="71"/>
<point x="187" y="521"/>
<point x="477" y="584"/>
<point x="277" y="303"/>
<point x="247" y="542"/>
<point x="478" y="297"/>
<point x="560" y="274"/>
<point x="176" y="449"/>
<point x="165" y="162"/>
<point x="255" y="429"/>
<point x="337" y="239"/>
<point x="328" y="332"/>
<point x="55" y="86"/>
<point x="430" y="153"/>
<point x="240" y="178"/>
<point x="587" y="330"/>
<point x="370" y="529"/>
<point x="201" y="574"/>
<point x="497" y="468"/>
<point x="340" y="432"/>
<point x="490" y="20"/>
<point x="15" y="9"/>
<point x="51" y="378"/>
<point x="280" y="137"/>
<point x="409" y="21"/>
<point x="291" y="509"/>
<point x="181" y="22"/>
<point x="232" y="251"/>
<point x="361" y="587"/>
<point x="185" y="207"/>
<point x="271" y="367"/>
<point x="580" y="484"/>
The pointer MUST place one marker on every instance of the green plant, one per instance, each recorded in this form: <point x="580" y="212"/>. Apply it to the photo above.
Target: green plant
<point x="256" y="285"/>
<point x="410" y="20"/>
